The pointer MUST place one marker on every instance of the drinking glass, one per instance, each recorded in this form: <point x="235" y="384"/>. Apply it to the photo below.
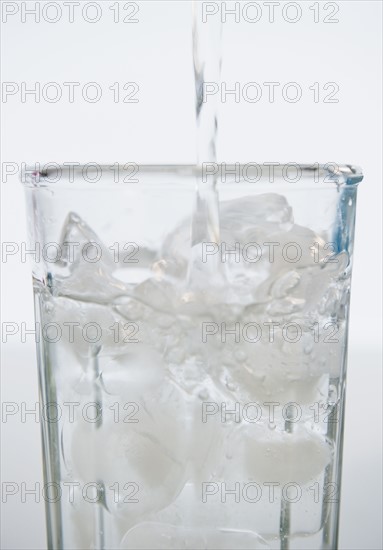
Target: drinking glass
<point x="192" y="352"/>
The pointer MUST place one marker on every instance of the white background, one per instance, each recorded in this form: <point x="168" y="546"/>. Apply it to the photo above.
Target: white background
<point x="156" y="53"/>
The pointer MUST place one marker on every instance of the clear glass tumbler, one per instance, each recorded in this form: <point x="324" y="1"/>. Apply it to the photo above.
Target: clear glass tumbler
<point x="192" y="352"/>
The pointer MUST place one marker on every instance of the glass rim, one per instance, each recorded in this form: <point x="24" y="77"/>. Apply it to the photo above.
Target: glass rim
<point x="68" y="175"/>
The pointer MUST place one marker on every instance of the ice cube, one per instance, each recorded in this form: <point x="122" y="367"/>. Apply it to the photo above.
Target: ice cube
<point x="152" y="453"/>
<point x="283" y="457"/>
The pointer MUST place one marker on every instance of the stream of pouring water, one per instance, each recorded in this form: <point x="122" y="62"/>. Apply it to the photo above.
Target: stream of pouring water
<point x="207" y="71"/>
<point x="207" y="58"/>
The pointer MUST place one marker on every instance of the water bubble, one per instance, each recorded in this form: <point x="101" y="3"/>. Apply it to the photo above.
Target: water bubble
<point x="49" y="307"/>
<point x="332" y="393"/>
<point x="231" y="386"/>
<point x="308" y="348"/>
<point x="188" y="297"/>
<point x="240" y="355"/>
<point x="165" y="321"/>
<point x="159" y="268"/>
<point x="203" y="394"/>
